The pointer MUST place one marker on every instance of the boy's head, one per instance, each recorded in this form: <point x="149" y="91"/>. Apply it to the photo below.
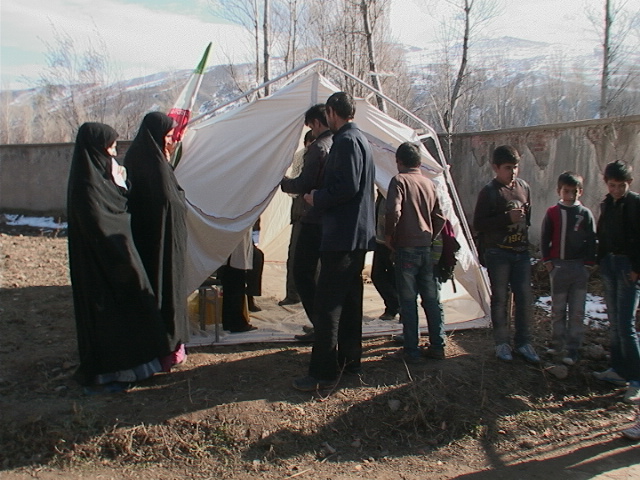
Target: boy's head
<point x="505" y="164"/>
<point x="315" y="119"/>
<point x="408" y="155"/>
<point x="617" y="176"/>
<point x="569" y="187"/>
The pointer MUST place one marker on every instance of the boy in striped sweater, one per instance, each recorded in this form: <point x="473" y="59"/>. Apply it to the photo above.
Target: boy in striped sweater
<point x="568" y="245"/>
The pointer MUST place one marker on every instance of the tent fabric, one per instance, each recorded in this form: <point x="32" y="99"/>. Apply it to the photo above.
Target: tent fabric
<point x="233" y="163"/>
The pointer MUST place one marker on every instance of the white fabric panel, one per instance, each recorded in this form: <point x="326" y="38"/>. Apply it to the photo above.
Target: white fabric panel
<point x="233" y="163"/>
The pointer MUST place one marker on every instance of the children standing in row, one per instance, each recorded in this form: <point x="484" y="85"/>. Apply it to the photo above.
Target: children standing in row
<point x="568" y="245"/>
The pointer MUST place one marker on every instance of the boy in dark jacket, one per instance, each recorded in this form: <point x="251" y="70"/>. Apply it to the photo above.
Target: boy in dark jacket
<point x="619" y="257"/>
<point x="502" y="217"/>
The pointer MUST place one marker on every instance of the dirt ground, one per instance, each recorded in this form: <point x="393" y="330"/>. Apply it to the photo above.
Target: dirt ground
<point x="229" y="412"/>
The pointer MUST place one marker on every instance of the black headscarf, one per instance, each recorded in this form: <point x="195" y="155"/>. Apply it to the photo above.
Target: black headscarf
<point x="158" y="210"/>
<point x="118" y="324"/>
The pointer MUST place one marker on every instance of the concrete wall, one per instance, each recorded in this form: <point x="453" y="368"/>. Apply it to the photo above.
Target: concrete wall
<point x="547" y="151"/>
<point x="33" y="178"/>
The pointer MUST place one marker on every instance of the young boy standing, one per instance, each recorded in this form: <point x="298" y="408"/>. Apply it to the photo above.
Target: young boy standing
<point x="619" y="257"/>
<point x="502" y="218"/>
<point x="568" y="245"/>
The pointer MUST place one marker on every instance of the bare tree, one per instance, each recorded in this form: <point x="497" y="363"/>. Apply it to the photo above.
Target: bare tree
<point x="452" y="75"/>
<point x="266" y="44"/>
<point x="616" y="26"/>
<point x="248" y="14"/>
<point x="75" y="82"/>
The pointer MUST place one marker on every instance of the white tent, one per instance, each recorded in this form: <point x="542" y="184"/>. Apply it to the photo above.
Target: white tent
<point x="233" y="163"/>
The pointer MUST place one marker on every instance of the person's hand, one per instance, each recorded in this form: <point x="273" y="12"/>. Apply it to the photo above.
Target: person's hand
<point x="548" y="266"/>
<point x="388" y="241"/>
<point x="516" y="215"/>
<point x="591" y="269"/>
<point x="308" y="197"/>
<point x="633" y="276"/>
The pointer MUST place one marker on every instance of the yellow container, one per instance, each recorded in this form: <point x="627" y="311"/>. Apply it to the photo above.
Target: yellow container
<point x="212" y="306"/>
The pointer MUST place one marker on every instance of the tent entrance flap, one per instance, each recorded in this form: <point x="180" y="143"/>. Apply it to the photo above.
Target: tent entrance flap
<point x="233" y="163"/>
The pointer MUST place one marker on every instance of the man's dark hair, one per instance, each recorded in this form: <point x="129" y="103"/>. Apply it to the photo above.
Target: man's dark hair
<point x="505" y="154"/>
<point x="570" y="179"/>
<point x="316" y="113"/>
<point x="308" y="137"/>
<point x="618" y="171"/>
<point x="408" y="154"/>
<point x="343" y="104"/>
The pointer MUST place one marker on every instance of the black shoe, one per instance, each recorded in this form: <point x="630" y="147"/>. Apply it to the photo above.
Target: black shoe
<point x="352" y="370"/>
<point x="306" y="337"/>
<point x="288" y="301"/>
<point x="251" y="304"/>
<point x="254" y="308"/>
<point x="434" y="353"/>
<point x="247" y="328"/>
<point x="387" y="315"/>
<point x="310" y="384"/>
<point x="401" y="356"/>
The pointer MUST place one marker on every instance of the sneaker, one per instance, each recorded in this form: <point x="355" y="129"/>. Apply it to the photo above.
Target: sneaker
<point x="288" y="301"/>
<point x="404" y="357"/>
<point x="311" y="384"/>
<point x="528" y="353"/>
<point x="503" y="352"/>
<point x="434" y="353"/>
<point x="633" y="433"/>
<point x="399" y="339"/>
<point x="306" y="337"/>
<point x="610" y="376"/>
<point x="632" y="395"/>
<point x="571" y="358"/>
<point x="387" y="315"/>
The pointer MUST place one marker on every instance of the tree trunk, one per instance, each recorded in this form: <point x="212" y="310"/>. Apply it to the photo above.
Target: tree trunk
<point x="606" y="58"/>
<point x="265" y="34"/>
<point x="373" y="71"/>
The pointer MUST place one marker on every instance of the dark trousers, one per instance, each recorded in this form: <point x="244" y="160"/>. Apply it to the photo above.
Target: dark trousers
<point x="338" y="314"/>
<point x="233" y="291"/>
<point x="383" y="277"/>
<point x="292" y="291"/>
<point x="305" y="264"/>
<point x="254" y="276"/>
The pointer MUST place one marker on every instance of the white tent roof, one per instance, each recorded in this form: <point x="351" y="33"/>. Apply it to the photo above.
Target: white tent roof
<point x="233" y="163"/>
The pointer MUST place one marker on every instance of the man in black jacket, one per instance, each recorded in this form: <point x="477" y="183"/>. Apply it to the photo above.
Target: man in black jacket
<point x="307" y="249"/>
<point x="346" y="202"/>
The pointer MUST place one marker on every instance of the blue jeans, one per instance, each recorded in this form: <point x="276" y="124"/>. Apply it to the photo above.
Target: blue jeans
<point x="510" y="269"/>
<point x="414" y="275"/>
<point x="621" y="297"/>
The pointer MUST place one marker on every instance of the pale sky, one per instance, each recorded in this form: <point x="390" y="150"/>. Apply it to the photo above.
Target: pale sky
<point x="148" y="36"/>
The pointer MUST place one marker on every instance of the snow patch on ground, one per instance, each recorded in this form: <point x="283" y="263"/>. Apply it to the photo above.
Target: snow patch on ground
<point x="39" y="222"/>
<point x="595" y="310"/>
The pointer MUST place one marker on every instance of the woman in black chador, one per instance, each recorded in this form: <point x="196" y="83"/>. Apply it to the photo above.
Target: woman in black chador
<point x="158" y="210"/>
<point x="121" y="336"/>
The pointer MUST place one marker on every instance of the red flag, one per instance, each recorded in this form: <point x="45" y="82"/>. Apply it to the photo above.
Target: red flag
<point x="181" y="111"/>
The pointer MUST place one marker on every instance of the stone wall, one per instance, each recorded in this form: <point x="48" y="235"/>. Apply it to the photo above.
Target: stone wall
<point x="33" y="178"/>
<point x="547" y="151"/>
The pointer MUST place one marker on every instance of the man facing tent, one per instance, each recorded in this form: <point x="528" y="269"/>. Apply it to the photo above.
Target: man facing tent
<point x="346" y="201"/>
